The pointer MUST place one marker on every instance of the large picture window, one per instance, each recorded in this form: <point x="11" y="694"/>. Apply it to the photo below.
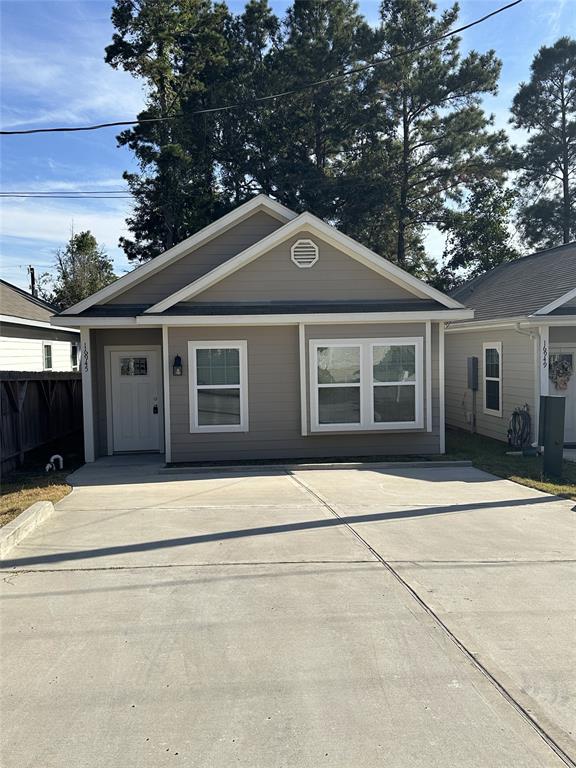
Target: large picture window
<point x="493" y="378"/>
<point x="363" y="384"/>
<point x="218" y="386"/>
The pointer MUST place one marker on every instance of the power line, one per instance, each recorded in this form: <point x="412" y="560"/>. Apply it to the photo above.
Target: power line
<point x="270" y="97"/>
<point x="69" y="197"/>
<point x="64" y="192"/>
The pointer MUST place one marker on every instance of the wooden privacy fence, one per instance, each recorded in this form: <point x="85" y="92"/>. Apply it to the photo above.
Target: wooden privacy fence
<point x="37" y="408"/>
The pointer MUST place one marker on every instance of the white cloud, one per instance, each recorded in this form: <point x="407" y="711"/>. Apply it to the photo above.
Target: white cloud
<point x="45" y="224"/>
<point x="53" y="93"/>
<point x="113" y="183"/>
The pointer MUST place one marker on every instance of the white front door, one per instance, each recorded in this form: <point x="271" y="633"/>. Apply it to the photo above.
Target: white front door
<point x="566" y="352"/>
<point x="136" y="407"/>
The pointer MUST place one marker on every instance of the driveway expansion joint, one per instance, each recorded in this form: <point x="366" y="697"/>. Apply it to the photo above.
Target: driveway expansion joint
<point x="470" y="656"/>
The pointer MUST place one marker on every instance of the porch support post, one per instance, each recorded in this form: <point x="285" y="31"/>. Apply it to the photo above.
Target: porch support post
<point x="544" y="358"/>
<point x="87" y="403"/>
<point x="542" y="381"/>
<point x="428" y="376"/>
<point x="166" y="389"/>
<point x="303" y="386"/>
<point x="441" y="385"/>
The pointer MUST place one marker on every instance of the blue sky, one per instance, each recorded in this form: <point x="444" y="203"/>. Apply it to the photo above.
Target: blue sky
<point x="53" y="73"/>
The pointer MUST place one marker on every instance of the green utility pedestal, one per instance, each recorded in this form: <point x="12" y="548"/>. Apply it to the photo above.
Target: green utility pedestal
<point x="551" y="433"/>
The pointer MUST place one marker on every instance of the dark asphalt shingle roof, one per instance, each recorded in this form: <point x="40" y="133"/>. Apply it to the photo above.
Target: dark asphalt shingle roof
<point x="521" y="287"/>
<point x="266" y="308"/>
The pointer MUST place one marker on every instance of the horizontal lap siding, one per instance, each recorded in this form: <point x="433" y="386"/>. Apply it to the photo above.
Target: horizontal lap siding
<point x="274" y="277"/>
<point x="564" y="335"/>
<point x="21" y="354"/>
<point x="189" y="268"/>
<point x="274" y="401"/>
<point x="518" y="379"/>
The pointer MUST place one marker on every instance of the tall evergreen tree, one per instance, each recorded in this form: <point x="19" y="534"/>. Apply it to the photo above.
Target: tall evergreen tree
<point x="479" y="233"/>
<point x="546" y="108"/>
<point x="306" y="132"/>
<point x="442" y="139"/>
<point x="289" y="147"/>
<point x="178" y="50"/>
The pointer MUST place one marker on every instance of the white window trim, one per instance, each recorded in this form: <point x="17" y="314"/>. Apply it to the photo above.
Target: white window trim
<point x="44" y="345"/>
<point x="242" y="347"/>
<point x="366" y="385"/>
<point x="75" y="367"/>
<point x="497" y="345"/>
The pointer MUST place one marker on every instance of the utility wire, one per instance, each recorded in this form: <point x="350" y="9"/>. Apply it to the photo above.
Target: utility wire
<point x="64" y="192"/>
<point x="270" y="97"/>
<point x="69" y="197"/>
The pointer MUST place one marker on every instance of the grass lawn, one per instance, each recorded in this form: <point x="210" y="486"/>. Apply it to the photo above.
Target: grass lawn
<point x="21" y="489"/>
<point x="490" y="455"/>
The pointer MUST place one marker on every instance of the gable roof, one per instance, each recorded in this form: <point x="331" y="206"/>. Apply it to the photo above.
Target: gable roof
<point x="256" y="204"/>
<point x="20" y="303"/>
<point x="535" y="284"/>
<point x="309" y="223"/>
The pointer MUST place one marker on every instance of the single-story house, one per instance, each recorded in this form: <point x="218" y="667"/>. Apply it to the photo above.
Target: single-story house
<point x="28" y="341"/>
<point x="267" y="334"/>
<point x="524" y="337"/>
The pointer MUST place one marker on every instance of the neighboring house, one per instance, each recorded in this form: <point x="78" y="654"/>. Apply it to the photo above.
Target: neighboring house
<point x="28" y="342"/>
<point x="524" y="337"/>
<point x="265" y="335"/>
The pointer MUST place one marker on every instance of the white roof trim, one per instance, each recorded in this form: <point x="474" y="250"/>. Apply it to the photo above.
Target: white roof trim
<point x="258" y="203"/>
<point x="307" y="221"/>
<point x="324" y="318"/>
<point x="523" y="321"/>
<point x="557" y="303"/>
<point x="35" y="323"/>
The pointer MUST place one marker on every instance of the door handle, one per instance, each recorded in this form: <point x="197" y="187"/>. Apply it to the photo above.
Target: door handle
<point x="155" y="409"/>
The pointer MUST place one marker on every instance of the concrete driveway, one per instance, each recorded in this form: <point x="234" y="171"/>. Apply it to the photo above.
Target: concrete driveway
<point x="400" y="618"/>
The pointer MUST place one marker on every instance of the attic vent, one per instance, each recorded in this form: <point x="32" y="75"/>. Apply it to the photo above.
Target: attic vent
<point x="304" y="253"/>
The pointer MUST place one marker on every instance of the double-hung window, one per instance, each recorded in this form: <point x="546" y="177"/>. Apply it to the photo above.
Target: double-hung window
<point x="47" y="356"/>
<point x="364" y="384"/>
<point x="218" y="386"/>
<point x="493" y="378"/>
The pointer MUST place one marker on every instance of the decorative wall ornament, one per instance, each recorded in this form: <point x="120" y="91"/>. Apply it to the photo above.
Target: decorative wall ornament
<point x="560" y="372"/>
<point x="304" y="253"/>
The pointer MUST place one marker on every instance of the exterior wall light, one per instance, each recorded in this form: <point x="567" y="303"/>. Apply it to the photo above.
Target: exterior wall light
<point x="177" y="367"/>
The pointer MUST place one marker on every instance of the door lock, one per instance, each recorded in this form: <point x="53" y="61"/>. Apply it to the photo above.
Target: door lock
<point x="155" y="409"/>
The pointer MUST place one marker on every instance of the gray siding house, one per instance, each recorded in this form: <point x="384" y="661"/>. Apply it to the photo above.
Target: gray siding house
<point x="28" y="342"/>
<point x="524" y="337"/>
<point x="265" y="335"/>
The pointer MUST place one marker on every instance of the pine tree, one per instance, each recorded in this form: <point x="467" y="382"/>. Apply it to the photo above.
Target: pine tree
<point x="546" y="108"/>
<point x="178" y="50"/>
<point x="442" y="139"/>
<point x="479" y="234"/>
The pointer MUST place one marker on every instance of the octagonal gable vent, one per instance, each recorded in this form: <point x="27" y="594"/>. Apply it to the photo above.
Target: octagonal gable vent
<point x="304" y="253"/>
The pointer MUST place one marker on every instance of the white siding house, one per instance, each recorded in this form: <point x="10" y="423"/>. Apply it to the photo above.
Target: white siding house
<point x="523" y="335"/>
<point x="28" y="342"/>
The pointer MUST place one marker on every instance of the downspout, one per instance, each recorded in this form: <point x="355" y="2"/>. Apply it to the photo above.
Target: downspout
<point x="535" y="336"/>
